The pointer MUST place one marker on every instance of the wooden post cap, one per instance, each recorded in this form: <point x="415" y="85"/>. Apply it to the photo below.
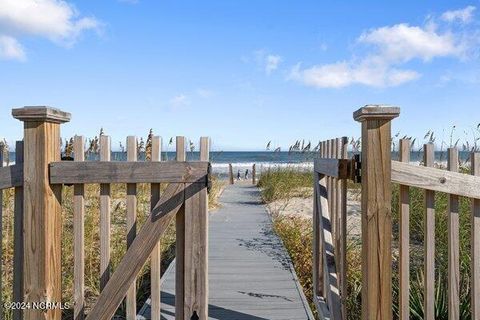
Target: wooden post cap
<point x="42" y="114"/>
<point x="376" y="112"/>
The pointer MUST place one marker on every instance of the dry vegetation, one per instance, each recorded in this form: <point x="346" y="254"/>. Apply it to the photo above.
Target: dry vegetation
<point x="92" y="244"/>
<point x="296" y="233"/>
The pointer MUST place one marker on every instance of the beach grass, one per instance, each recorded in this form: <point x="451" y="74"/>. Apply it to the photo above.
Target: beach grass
<point x="297" y="231"/>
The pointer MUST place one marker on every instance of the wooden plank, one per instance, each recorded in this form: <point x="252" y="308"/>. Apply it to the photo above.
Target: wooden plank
<point x="42" y="219"/>
<point x="435" y="179"/>
<point x="342" y="207"/>
<point x="2" y="152"/>
<point x="180" y="244"/>
<point x="336" y="168"/>
<point x="453" y="244"/>
<point x="324" y="282"/>
<point x="404" y="238"/>
<point x="104" y="217"/>
<point x="156" y="257"/>
<point x="196" y="249"/>
<point x="332" y="293"/>
<point x="376" y="211"/>
<point x="79" y="235"/>
<point x="475" y="243"/>
<point x="141" y="248"/>
<point x="317" y="245"/>
<point x="11" y="176"/>
<point x="254" y="172"/>
<point x="18" y="237"/>
<point x="131" y="299"/>
<point x="429" y="241"/>
<point x="68" y="172"/>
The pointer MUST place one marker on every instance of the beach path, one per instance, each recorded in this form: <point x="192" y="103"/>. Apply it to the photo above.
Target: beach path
<point x="250" y="273"/>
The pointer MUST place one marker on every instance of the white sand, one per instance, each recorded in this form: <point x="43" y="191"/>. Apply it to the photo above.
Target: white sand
<point x="303" y="207"/>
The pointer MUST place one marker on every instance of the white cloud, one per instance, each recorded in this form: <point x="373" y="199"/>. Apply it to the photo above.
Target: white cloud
<point x="10" y="49"/>
<point x="269" y="62"/>
<point x="343" y="74"/>
<point x="178" y="101"/>
<point x="388" y="49"/>
<point x="272" y="62"/>
<point x="402" y="42"/>
<point x="464" y="15"/>
<point x="55" y="20"/>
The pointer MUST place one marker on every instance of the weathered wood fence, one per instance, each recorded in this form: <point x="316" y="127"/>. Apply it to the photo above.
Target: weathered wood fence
<point x="377" y="172"/>
<point x="38" y="176"/>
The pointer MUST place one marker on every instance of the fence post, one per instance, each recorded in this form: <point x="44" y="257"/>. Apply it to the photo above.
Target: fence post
<point x="376" y="210"/>
<point x="42" y="209"/>
<point x="254" y="172"/>
<point x="230" y="173"/>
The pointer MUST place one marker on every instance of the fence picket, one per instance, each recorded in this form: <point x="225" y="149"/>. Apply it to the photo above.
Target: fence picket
<point x="180" y="245"/>
<point x="475" y="243"/>
<point x="429" y="241"/>
<point x="196" y="249"/>
<point x="78" y="235"/>
<point x="156" y="257"/>
<point x="404" y="237"/>
<point x="131" y="304"/>
<point x="104" y="217"/>
<point x="2" y="151"/>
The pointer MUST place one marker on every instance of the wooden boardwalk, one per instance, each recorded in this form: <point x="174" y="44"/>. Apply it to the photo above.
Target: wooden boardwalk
<point x="251" y="277"/>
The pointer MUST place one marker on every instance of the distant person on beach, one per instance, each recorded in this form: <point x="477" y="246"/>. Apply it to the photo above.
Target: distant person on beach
<point x="238" y="175"/>
<point x="246" y="174"/>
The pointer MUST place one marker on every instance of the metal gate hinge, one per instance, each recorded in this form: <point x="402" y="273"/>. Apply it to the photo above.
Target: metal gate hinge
<point x="356" y="168"/>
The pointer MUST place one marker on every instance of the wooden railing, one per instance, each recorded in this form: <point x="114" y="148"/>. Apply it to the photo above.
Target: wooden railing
<point x="38" y="176"/>
<point x="455" y="185"/>
<point x="377" y="172"/>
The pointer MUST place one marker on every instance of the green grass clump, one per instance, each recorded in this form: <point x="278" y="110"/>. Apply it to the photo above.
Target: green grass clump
<point x="284" y="183"/>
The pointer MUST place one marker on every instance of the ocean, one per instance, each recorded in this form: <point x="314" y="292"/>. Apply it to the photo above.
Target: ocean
<point x="243" y="160"/>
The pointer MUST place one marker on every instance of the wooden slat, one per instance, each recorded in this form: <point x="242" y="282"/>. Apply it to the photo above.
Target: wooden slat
<point x="317" y="245"/>
<point x="332" y="293"/>
<point x="436" y="179"/>
<point x="141" y="248"/>
<point x="324" y="282"/>
<point x="156" y="257"/>
<point x="196" y="249"/>
<point x="475" y="243"/>
<point x="453" y="244"/>
<point x="11" y="176"/>
<point x="336" y="168"/>
<point x="79" y="235"/>
<point x="104" y="217"/>
<point x="342" y="207"/>
<point x="404" y="238"/>
<point x="429" y="241"/>
<point x="68" y="172"/>
<point x="131" y="303"/>
<point x="2" y="151"/>
<point x="180" y="244"/>
<point x="18" y="237"/>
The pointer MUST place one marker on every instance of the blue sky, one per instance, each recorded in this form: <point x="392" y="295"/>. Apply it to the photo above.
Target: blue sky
<point x="241" y="72"/>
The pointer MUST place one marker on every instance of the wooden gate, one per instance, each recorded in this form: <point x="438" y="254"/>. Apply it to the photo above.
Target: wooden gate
<point x="38" y="176"/>
<point x="376" y="171"/>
